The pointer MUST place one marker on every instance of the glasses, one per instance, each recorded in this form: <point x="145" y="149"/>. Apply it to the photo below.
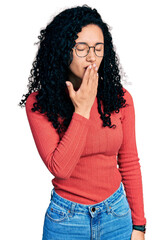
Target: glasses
<point x="82" y="49"/>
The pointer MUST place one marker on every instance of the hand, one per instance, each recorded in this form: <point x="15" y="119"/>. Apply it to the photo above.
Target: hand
<point x="137" y="235"/>
<point x="84" y="98"/>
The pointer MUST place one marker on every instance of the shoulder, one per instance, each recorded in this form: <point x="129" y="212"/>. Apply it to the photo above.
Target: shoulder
<point x="33" y="116"/>
<point x="128" y="97"/>
<point x="31" y="99"/>
<point x="128" y="110"/>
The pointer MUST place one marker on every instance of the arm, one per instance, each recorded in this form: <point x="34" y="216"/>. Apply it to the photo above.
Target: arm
<point x="59" y="157"/>
<point x="129" y="165"/>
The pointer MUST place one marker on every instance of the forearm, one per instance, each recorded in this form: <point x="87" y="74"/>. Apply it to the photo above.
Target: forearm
<point x="63" y="160"/>
<point x="60" y="156"/>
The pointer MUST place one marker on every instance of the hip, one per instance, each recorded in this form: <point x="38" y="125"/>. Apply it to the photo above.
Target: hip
<point x="109" y="219"/>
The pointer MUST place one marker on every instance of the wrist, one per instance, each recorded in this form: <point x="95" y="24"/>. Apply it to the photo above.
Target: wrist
<point x="84" y="114"/>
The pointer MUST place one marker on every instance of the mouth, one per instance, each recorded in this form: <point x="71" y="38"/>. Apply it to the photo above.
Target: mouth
<point x="85" y="68"/>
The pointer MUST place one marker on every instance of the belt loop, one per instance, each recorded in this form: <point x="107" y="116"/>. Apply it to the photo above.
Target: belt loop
<point x="72" y="209"/>
<point x="108" y="208"/>
<point x="52" y="194"/>
<point x="122" y="189"/>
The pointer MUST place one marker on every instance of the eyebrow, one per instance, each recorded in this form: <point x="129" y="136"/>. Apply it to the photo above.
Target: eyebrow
<point x="88" y="44"/>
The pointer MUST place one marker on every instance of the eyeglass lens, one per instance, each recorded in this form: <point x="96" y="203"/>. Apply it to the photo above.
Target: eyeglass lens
<point x="82" y="49"/>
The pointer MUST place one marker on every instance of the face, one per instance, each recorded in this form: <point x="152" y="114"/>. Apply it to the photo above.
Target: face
<point x="90" y="34"/>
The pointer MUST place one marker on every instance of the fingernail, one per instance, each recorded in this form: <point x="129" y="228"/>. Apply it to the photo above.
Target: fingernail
<point x="94" y="64"/>
<point x="90" y="66"/>
<point x="67" y="83"/>
<point x="96" y="68"/>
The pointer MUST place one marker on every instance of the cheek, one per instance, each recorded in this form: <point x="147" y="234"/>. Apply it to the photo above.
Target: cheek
<point x="74" y="66"/>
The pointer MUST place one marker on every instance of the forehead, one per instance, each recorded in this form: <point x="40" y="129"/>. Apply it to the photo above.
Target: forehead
<point x="90" y="34"/>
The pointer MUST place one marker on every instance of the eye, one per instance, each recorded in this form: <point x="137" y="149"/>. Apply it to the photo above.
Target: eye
<point x="99" y="47"/>
<point x="81" y="47"/>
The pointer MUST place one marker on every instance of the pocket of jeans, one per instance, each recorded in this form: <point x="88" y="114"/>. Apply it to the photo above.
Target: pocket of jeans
<point x="121" y="207"/>
<point x="56" y="213"/>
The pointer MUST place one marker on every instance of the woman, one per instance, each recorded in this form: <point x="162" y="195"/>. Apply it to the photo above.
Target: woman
<point x="83" y="124"/>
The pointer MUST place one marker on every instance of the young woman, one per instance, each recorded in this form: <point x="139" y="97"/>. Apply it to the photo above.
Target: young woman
<point x="83" y="124"/>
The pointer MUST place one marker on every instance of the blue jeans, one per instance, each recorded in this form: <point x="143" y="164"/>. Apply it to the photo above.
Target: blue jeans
<point x="108" y="220"/>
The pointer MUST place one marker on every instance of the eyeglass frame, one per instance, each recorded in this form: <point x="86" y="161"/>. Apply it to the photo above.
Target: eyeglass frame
<point x="88" y="47"/>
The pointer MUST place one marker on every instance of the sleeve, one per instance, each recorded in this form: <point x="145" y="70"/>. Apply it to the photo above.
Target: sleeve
<point x="129" y="165"/>
<point x="60" y="157"/>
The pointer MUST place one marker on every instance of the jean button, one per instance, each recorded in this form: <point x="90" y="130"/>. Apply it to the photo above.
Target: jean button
<point x="93" y="209"/>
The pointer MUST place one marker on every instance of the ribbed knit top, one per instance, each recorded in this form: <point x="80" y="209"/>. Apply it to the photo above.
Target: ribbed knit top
<point x="90" y="161"/>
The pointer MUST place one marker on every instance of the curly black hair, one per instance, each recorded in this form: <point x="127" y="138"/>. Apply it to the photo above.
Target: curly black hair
<point x="51" y="67"/>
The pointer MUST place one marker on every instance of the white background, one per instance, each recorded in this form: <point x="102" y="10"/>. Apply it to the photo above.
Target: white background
<point x="137" y="30"/>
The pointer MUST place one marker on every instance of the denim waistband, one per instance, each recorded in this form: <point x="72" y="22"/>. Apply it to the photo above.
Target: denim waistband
<point x="92" y="208"/>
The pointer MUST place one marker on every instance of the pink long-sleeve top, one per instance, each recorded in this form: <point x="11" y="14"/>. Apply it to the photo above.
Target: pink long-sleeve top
<point x="90" y="161"/>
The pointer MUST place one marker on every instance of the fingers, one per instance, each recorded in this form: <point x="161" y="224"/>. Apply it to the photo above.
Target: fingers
<point x="70" y="89"/>
<point x="90" y="78"/>
<point x="86" y="77"/>
<point x="93" y="77"/>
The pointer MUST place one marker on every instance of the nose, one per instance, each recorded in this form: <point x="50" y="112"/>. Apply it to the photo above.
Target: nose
<point x="91" y="57"/>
